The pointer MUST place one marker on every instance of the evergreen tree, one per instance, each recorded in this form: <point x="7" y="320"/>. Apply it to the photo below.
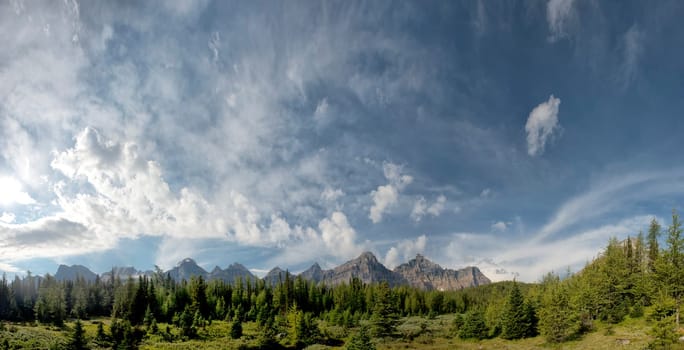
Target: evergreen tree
<point x="474" y="326"/>
<point x="384" y="318"/>
<point x="77" y="341"/>
<point x="652" y="241"/>
<point x="515" y="322"/>
<point x="361" y="341"/>
<point x="558" y="322"/>
<point x="101" y="337"/>
<point x="236" y="328"/>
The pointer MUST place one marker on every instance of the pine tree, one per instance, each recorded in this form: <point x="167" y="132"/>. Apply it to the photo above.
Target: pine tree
<point x="515" y="322"/>
<point x="474" y="326"/>
<point x="558" y="322"/>
<point x="652" y="241"/>
<point x="101" y="337"/>
<point x="384" y="317"/>
<point x="236" y="326"/>
<point x="77" y="341"/>
<point x="361" y="341"/>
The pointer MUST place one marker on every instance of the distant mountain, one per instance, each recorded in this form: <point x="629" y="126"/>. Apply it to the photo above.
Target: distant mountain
<point x="366" y="267"/>
<point x="124" y="273"/>
<point x="71" y="273"/>
<point x="419" y="272"/>
<point x="185" y="269"/>
<point x="275" y="276"/>
<point x="231" y="273"/>
<point x="314" y="273"/>
<point x="424" y="274"/>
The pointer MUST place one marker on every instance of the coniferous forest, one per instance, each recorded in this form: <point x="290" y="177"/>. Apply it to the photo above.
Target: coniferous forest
<point x="639" y="278"/>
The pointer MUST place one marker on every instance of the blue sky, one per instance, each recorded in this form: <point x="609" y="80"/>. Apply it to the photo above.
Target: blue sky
<point x="515" y="136"/>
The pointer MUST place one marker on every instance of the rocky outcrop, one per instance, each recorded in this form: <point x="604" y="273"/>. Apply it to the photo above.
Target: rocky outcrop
<point x="424" y="274"/>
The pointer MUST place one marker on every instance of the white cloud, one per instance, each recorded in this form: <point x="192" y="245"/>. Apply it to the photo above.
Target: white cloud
<point x="7" y="218"/>
<point x="404" y="251"/>
<point x="558" y="14"/>
<point x="11" y="192"/>
<point x="609" y="194"/>
<point x="541" y="125"/>
<point x="485" y="193"/>
<point x="338" y="236"/>
<point x="421" y="208"/>
<point x="633" y="47"/>
<point x="499" y="226"/>
<point x="438" y="206"/>
<point x="501" y="258"/>
<point x="331" y="195"/>
<point x="387" y="195"/>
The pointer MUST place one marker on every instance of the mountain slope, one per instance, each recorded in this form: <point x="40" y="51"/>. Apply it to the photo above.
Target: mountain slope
<point x="71" y="273"/>
<point x="185" y="269"/>
<point x="424" y="274"/>
<point x="231" y="273"/>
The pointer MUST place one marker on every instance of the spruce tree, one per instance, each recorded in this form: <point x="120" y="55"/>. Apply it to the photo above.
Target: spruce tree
<point x="652" y="242"/>
<point x="361" y="341"/>
<point x="514" y="321"/>
<point x="77" y="340"/>
<point x="474" y="326"/>
<point x="384" y="318"/>
<point x="236" y="327"/>
<point x="558" y="322"/>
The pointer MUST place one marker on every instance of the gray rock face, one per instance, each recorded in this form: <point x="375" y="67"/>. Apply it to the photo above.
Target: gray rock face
<point x="314" y="273"/>
<point x="185" y="269"/>
<point x="424" y="274"/>
<point x="71" y="273"/>
<point x="366" y="267"/>
<point x="275" y="276"/>
<point x="419" y="272"/>
<point x="231" y="273"/>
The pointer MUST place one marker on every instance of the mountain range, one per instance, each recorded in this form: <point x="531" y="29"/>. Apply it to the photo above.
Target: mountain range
<point x="418" y="272"/>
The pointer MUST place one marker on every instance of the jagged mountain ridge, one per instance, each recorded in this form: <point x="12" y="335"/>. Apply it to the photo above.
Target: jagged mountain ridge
<point x="425" y="274"/>
<point x="419" y="272"/>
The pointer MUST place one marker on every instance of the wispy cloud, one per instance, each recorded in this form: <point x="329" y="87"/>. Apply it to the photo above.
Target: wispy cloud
<point x="559" y="15"/>
<point x="632" y="49"/>
<point x="421" y="208"/>
<point x="541" y="125"/>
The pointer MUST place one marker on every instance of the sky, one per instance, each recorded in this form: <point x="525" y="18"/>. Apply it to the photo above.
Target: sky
<point x="514" y="136"/>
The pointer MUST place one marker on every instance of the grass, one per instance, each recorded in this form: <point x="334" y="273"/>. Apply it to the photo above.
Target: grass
<point x="414" y="333"/>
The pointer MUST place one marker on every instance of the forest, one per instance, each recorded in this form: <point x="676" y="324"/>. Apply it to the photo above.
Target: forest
<point x="639" y="278"/>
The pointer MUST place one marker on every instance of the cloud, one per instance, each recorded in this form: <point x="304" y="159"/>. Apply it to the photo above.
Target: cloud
<point x="49" y="237"/>
<point x="405" y="250"/>
<point x="610" y="194"/>
<point x="502" y="258"/>
<point x="499" y="226"/>
<point x="485" y="193"/>
<point x="331" y="195"/>
<point x="11" y="193"/>
<point x="7" y="218"/>
<point x="338" y="236"/>
<point x="421" y="208"/>
<point x="541" y="125"/>
<point x="387" y="195"/>
<point x="632" y="46"/>
<point x="558" y="15"/>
